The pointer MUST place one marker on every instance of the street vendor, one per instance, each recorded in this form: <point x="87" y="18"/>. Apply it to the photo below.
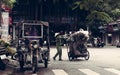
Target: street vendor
<point x="58" y="46"/>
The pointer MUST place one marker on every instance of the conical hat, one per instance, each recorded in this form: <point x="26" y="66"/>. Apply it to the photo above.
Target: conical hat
<point x="56" y="34"/>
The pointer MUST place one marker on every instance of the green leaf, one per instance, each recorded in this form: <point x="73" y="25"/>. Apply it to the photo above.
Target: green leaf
<point x="99" y="16"/>
<point x="9" y="3"/>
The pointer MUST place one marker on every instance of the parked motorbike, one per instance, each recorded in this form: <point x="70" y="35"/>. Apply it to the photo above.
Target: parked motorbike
<point x="21" y="54"/>
<point x="34" y="56"/>
<point x="39" y="55"/>
<point x="118" y="45"/>
<point x="34" y="53"/>
<point x="100" y="44"/>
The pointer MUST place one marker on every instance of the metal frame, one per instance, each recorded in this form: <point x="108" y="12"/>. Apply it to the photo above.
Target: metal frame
<point x="32" y="36"/>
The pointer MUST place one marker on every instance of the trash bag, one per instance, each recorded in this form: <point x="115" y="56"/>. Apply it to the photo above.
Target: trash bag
<point x="2" y="65"/>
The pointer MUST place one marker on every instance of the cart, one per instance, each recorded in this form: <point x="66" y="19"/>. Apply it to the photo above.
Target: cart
<point x="76" y="46"/>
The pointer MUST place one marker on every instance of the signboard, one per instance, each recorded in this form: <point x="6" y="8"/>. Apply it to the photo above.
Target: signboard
<point x="4" y="26"/>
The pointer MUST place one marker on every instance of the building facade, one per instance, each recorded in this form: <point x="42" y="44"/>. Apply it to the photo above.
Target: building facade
<point x="61" y="17"/>
<point x="111" y="36"/>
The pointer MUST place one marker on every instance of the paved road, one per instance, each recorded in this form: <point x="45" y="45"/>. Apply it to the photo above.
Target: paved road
<point x="103" y="61"/>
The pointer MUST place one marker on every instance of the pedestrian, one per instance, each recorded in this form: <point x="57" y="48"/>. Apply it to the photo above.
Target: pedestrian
<point x="58" y="47"/>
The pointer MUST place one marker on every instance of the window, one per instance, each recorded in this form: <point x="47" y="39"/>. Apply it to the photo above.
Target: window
<point x="32" y="30"/>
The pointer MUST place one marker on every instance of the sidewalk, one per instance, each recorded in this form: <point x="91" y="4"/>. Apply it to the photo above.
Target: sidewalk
<point x="110" y="46"/>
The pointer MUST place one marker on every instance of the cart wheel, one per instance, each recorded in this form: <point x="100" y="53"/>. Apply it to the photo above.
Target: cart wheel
<point x="69" y="57"/>
<point x="87" y="55"/>
<point x="46" y="63"/>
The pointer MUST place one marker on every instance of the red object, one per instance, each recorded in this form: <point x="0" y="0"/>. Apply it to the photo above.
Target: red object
<point x="10" y="21"/>
<point x="7" y="9"/>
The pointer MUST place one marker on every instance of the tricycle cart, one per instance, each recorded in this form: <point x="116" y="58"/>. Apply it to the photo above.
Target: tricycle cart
<point x="33" y="47"/>
<point x="76" y="46"/>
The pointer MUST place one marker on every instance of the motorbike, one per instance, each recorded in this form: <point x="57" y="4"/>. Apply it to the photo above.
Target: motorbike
<point x="33" y="55"/>
<point x="100" y="44"/>
<point x="38" y="55"/>
<point x="21" y="54"/>
<point x="34" y="51"/>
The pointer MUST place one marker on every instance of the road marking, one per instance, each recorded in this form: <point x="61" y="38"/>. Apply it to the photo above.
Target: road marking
<point x="34" y="74"/>
<point x="113" y="70"/>
<point x="59" y="72"/>
<point x="88" y="72"/>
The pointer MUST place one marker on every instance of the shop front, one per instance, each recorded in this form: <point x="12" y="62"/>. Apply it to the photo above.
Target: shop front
<point x="112" y="35"/>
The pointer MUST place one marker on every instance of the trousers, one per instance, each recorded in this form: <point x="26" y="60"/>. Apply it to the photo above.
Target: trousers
<point x="59" y="52"/>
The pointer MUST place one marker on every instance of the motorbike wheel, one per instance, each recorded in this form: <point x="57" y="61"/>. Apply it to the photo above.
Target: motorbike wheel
<point x="34" y="65"/>
<point x="46" y="63"/>
<point x="21" y="65"/>
<point x="15" y="56"/>
<point x="21" y="61"/>
<point x="87" y="55"/>
<point x="102" y="45"/>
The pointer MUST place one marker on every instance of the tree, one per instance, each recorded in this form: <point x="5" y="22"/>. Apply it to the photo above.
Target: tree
<point x="101" y="18"/>
<point x="115" y="13"/>
<point x="9" y="3"/>
<point x="95" y="9"/>
<point x="98" y="12"/>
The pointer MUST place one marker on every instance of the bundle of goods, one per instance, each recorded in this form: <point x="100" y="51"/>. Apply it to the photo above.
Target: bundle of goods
<point x="79" y="36"/>
<point x="5" y="48"/>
